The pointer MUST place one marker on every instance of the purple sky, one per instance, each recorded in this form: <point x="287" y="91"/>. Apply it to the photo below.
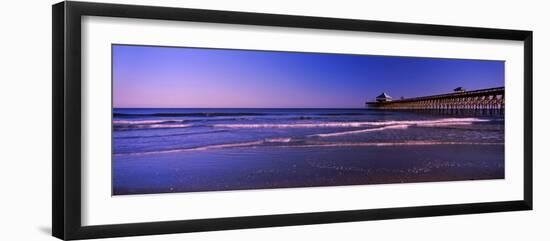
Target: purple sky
<point x="145" y="76"/>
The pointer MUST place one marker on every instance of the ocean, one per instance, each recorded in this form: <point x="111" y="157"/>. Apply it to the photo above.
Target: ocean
<point x="191" y="150"/>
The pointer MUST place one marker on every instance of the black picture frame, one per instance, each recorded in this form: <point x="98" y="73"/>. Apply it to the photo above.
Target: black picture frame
<point x="66" y="158"/>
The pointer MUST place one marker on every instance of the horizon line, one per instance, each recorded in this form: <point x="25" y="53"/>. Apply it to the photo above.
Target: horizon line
<point x="238" y="107"/>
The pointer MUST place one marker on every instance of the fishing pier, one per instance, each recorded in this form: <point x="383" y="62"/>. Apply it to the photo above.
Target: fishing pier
<point x="460" y="99"/>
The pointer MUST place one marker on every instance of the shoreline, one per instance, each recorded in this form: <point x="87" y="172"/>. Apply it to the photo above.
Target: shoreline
<point x="266" y="168"/>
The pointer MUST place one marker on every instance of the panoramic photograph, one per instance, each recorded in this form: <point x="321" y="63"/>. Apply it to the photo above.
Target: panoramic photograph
<point x="202" y="119"/>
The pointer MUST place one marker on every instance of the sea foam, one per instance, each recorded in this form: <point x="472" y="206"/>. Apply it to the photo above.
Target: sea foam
<point x="439" y="122"/>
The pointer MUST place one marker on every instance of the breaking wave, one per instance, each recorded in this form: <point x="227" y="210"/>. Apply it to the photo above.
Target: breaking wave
<point x="148" y="124"/>
<point x="427" y="123"/>
<point x="362" y="131"/>
<point x="278" y="140"/>
<point x="152" y="124"/>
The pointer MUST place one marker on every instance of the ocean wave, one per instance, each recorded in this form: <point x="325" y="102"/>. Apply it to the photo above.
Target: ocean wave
<point x="405" y="124"/>
<point x="293" y="125"/>
<point x="307" y="145"/>
<point x="156" y="124"/>
<point x="151" y="126"/>
<point x="439" y="122"/>
<point x="199" y="148"/>
<point x="361" y="131"/>
<point x="145" y="122"/>
<point x="169" y="135"/>
<point x="443" y="121"/>
<point x="444" y="124"/>
<point x="344" y="114"/>
<point x="278" y="140"/>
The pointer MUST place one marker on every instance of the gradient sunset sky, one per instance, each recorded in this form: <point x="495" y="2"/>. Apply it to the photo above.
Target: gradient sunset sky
<point x="158" y="77"/>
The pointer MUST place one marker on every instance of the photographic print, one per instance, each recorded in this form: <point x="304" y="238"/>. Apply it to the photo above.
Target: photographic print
<point x="202" y="119"/>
